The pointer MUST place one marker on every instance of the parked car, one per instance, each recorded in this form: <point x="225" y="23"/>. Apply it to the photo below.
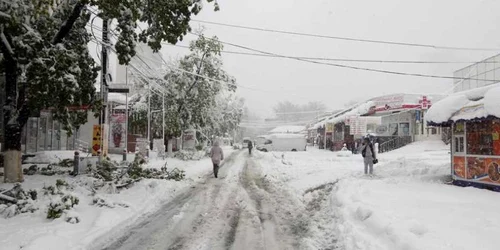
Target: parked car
<point x="284" y="142"/>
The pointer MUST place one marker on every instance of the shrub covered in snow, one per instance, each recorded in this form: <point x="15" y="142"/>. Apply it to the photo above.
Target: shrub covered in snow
<point x="16" y="201"/>
<point x="187" y="155"/>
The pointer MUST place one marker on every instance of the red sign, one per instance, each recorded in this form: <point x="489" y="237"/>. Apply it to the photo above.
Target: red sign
<point x="424" y="103"/>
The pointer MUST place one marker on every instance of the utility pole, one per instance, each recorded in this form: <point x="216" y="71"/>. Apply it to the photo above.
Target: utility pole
<point x="104" y="74"/>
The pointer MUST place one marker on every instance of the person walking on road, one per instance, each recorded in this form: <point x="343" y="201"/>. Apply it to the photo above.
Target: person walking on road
<point x="217" y="156"/>
<point x="250" y="146"/>
<point x="369" y="156"/>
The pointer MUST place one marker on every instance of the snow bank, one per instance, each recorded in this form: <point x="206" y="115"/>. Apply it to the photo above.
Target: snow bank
<point x="47" y="157"/>
<point x="405" y="206"/>
<point x="98" y="224"/>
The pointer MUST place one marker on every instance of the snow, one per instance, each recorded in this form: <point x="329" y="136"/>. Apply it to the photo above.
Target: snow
<point x="97" y="224"/>
<point x="117" y="98"/>
<point x="479" y="103"/>
<point x="323" y="196"/>
<point x="287" y="129"/>
<point x="47" y="157"/>
<point x="406" y="205"/>
<point x="361" y="109"/>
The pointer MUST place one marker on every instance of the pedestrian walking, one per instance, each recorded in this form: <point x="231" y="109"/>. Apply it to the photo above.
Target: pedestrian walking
<point x="369" y="156"/>
<point x="217" y="156"/>
<point x="250" y="146"/>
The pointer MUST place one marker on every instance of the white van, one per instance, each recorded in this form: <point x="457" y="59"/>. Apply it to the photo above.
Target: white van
<point x="284" y="142"/>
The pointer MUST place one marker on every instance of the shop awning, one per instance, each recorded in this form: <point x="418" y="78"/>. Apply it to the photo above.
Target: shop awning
<point x="478" y="103"/>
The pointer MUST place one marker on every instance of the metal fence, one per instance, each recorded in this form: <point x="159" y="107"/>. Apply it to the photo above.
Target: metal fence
<point x="395" y="143"/>
<point x="44" y="134"/>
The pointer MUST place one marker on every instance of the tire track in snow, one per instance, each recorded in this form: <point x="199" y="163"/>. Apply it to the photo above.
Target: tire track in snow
<point x="154" y="231"/>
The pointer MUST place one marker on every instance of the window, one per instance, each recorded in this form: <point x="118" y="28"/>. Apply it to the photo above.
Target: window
<point x="267" y="142"/>
<point x="433" y="131"/>
<point x="480" y="138"/>
<point x="459" y="144"/>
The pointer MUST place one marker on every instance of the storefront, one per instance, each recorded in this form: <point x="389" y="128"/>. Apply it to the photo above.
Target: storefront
<point x="474" y="119"/>
<point x="476" y="151"/>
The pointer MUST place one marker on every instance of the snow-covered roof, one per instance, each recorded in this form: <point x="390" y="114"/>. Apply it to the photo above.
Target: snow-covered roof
<point x="473" y="104"/>
<point x="361" y="109"/>
<point x="286" y="136"/>
<point x="117" y="98"/>
<point x="287" y="129"/>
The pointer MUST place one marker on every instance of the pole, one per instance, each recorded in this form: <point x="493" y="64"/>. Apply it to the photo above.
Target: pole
<point x="163" y="117"/>
<point x="126" y="111"/>
<point x="104" y="72"/>
<point x="149" y="115"/>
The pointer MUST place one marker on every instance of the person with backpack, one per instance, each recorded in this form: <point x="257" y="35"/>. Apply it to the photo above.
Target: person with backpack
<point x="250" y="146"/>
<point x="217" y="156"/>
<point x="369" y="156"/>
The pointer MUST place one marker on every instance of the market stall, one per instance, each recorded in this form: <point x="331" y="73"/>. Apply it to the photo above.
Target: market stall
<point x="474" y="117"/>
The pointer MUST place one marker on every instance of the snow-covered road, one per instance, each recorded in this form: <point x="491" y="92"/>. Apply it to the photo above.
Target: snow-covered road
<point x="240" y="210"/>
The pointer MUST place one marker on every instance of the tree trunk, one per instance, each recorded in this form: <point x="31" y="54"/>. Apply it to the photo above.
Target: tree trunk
<point x="12" y="154"/>
<point x="13" y="171"/>
<point x="169" y="147"/>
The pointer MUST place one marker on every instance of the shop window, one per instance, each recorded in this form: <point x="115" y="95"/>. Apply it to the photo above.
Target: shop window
<point x="482" y="137"/>
<point x="405" y="128"/>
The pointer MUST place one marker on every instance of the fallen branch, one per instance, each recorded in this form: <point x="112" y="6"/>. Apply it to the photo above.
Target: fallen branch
<point x="8" y="198"/>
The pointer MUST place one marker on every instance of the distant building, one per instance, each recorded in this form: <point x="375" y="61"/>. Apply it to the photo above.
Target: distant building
<point x="481" y="74"/>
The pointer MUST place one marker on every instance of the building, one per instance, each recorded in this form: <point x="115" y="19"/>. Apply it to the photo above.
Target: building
<point x="474" y="119"/>
<point x="481" y="74"/>
<point x="472" y="113"/>
<point x="395" y="120"/>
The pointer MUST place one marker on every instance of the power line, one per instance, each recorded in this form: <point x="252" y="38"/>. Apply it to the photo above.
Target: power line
<point x="346" y="38"/>
<point x="326" y="58"/>
<point x="343" y="59"/>
<point x="348" y="66"/>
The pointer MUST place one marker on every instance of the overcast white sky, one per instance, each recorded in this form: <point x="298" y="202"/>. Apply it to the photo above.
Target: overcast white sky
<point x="459" y="23"/>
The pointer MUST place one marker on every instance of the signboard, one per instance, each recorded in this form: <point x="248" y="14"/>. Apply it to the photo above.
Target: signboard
<point x="424" y="103"/>
<point x="189" y="139"/>
<point x="96" y="139"/>
<point x="357" y="125"/>
<point x="382" y="129"/>
<point x="118" y="130"/>
<point x="100" y="139"/>
<point x="329" y="127"/>
<point x="118" y="88"/>
<point x="418" y="116"/>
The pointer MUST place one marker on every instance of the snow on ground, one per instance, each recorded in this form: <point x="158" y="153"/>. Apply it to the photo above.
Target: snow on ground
<point x="34" y="231"/>
<point x="406" y="205"/>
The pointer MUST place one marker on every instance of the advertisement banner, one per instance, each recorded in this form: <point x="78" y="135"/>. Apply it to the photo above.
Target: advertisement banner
<point x="118" y="130"/>
<point x="96" y="139"/>
<point x="100" y="139"/>
<point x="459" y="166"/>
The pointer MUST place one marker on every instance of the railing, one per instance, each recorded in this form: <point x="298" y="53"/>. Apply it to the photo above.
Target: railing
<point x="395" y="143"/>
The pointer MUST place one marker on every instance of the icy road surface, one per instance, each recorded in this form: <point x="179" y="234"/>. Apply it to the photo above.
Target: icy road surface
<point x="240" y="210"/>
